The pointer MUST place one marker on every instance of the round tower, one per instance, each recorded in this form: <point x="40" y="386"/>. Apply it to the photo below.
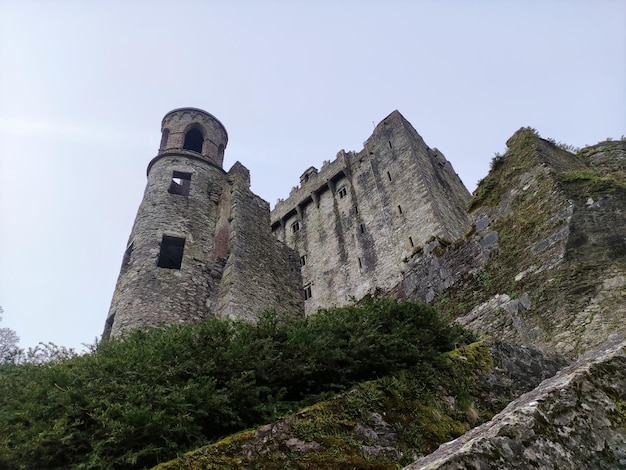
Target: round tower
<point x="166" y="270"/>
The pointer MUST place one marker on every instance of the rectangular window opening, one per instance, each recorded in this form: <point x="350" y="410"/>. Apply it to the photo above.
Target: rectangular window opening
<point x="362" y="228"/>
<point x="171" y="255"/>
<point x="307" y="292"/>
<point x="295" y="226"/>
<point x="343" y="192"/>
<point x="302" y="260"/>
<point x="411" y="241"/>
<point x="400" y="209"/>
<point x="181" y="183"/>
<point x="389" y="176"/>
<point x="360" y="264"/>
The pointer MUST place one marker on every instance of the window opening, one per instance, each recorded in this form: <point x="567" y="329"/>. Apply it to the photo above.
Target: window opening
<point x="343" y="192"/>
<point x="302" y="260"/>
<point x="307" y="292"/>
<point x="181" y="183"/>
<point x="127" y="255"/>
<point x="411" y="241"/>
<point x="360" y="265"/>
<point x="390" y="144"/>
<point x="171" y="255"/>
<point x="400" y="209"/>
<point x="295" y="226"/>
<point x="356" y="209"/>
<point x="362" y="228"/>
<point x="164" y="137"/>
<point x="389" y="176"/>
<point x="194" y="140"/>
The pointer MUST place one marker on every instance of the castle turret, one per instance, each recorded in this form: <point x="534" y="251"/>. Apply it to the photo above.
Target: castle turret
<point x="184" y="254"/>
<point x="163" y="277"/>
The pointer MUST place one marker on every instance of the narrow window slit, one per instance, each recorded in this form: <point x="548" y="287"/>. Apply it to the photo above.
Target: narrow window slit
<point x="127" y="257"/>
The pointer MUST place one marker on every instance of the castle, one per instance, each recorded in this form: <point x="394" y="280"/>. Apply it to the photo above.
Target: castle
<point x="203" y="244"/>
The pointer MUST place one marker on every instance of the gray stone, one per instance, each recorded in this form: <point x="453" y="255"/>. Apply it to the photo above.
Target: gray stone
<point x="573" y="420"/>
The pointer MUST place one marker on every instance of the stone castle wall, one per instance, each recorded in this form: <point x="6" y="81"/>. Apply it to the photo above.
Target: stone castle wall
<point x="260" y="272"/>
<point x="201" y="243"/>
<point x="356" y="221"/>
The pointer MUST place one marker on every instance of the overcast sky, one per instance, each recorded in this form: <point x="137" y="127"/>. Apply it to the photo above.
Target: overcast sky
<point x="84" y="86"/>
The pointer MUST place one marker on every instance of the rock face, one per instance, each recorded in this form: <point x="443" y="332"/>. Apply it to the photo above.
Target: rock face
<point x="545" y="262"/>
<point x="577" y="419"/>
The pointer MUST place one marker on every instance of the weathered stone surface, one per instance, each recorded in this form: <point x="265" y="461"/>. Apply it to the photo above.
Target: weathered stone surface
<point x="517" y="370"/>
<point x="577" y="419"/>
<point x="359" y="219"/>
<point x="228" y="262"/>
<point x="545" y="264"/>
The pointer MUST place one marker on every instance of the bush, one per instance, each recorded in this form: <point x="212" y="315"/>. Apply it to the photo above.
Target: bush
<point x="135" y="402"/>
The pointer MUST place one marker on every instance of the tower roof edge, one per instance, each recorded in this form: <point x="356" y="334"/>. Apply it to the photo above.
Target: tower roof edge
<point x="198" y="110"/>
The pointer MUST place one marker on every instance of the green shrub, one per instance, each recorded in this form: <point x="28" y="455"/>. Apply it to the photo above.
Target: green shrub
<point x="135" y="402"/>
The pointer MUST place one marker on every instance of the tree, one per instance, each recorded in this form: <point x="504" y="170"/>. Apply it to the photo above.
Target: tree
<point x="9" y="349"/>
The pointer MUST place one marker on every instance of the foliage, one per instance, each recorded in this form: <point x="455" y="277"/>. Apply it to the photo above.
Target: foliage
<point x="9" y="341"/>
<point x="11" y="353"/>
<point x="417" y="418"/>
<point x="134" y="402"/>
<point x="588" y="182"/>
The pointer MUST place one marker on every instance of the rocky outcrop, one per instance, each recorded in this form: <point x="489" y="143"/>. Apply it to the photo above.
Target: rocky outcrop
<point x="575" y="420"/>
<point x="545" y="262"/>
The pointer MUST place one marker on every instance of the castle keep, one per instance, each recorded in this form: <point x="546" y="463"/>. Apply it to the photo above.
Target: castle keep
<point x="355" y="222"/>
<point x="203" y="244"/>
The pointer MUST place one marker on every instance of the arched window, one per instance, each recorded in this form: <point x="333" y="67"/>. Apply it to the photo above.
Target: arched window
<point x="193" y="140"/>
<point x="220" y="152"/>
<point x="164" y="137"/>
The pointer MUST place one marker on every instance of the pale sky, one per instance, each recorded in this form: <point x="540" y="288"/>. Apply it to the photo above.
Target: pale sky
<point x="84" y="86"/>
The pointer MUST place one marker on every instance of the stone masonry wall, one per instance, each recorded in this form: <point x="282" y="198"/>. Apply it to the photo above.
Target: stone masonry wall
<point x="260" y="273"/>
<point x="355" y="222"/>
<point x="201" y="243"/>
<point x="146" y="294"/>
